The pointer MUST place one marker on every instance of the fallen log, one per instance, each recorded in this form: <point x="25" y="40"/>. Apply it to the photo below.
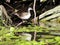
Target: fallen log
<point x="53" y="11"/>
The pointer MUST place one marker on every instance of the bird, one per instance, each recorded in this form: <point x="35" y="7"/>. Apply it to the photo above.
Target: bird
<point x="24" y="15"/>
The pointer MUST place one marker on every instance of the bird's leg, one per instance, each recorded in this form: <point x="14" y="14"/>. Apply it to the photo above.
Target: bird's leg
<point x="20" y="23"/>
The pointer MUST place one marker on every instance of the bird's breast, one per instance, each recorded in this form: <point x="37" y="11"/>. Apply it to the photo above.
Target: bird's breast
<point x="27" y="16"/>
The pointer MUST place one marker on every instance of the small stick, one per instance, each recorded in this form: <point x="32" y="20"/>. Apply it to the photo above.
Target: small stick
<point x="9" y="6"/>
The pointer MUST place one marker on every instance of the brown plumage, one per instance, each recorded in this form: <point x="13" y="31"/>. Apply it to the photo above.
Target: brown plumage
<point x="23" y="14"/>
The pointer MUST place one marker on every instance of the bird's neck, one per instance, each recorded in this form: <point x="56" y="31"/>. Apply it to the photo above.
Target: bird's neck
<point x="28" y="11"/>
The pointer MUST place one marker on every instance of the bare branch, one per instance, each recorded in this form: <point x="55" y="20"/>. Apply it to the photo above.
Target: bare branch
<point x="34" y="18"/>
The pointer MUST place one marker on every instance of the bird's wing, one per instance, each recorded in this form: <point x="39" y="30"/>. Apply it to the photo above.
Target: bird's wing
<point x="24" y="14"/>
